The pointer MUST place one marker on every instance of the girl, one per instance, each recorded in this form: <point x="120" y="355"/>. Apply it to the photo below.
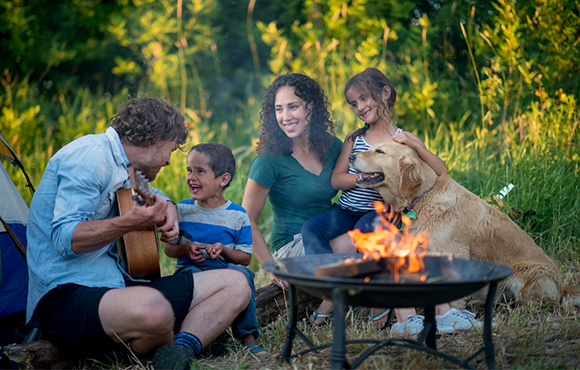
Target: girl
<point x="372" y="97"/>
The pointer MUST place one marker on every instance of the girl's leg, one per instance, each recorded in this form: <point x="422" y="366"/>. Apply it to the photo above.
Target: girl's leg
<point x="317" y="232"/>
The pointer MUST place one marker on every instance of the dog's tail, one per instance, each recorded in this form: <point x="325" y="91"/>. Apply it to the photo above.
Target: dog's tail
<point x="571" y="294"/>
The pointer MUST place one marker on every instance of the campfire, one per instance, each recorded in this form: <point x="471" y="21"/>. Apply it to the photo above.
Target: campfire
<point x="392" y="270"/>
<point x="386" y="249"/>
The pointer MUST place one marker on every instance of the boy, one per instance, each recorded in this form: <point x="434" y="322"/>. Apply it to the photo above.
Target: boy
<point x="214" y="232"/>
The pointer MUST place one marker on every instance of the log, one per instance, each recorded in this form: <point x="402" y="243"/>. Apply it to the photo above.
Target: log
<point x="40" y="354"/>
<point x="350" y="268"/>
<point x="272" y="302"/>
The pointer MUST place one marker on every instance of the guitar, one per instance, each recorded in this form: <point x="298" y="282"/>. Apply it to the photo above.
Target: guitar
<point x="140" y="248"/>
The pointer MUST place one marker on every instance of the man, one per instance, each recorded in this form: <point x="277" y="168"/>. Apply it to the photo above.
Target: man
<point x="79" y="295"/>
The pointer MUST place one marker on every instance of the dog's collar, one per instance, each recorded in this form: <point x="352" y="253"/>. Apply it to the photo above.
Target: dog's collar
<point x="409" y="209"/>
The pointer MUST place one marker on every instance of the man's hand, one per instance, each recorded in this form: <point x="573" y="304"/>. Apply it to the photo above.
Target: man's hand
<point x="144" y="216"/>
<point x="170" y="228"/>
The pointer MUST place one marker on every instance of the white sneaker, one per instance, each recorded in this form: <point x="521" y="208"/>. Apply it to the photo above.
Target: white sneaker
<point x="454" y="320"/>
<point x="413" y="326"/>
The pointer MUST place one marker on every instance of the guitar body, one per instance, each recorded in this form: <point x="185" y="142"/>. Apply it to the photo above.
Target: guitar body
<point x="140" y="248"/>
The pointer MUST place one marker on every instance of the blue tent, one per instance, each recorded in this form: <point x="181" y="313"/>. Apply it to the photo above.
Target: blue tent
<point x="14" y="217"/>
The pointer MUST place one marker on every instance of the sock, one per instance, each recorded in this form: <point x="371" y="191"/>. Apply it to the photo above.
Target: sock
<point x="188" y="340"/>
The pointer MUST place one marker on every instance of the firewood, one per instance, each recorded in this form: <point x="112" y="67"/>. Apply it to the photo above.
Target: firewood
<point x="354" y="267"/>
<point x="40" y="354"/>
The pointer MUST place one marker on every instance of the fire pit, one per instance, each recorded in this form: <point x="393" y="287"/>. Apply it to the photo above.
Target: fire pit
<point x="445" y="280"/>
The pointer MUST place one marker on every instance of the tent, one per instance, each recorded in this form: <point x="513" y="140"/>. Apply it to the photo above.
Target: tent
<point x="13" y="270"/>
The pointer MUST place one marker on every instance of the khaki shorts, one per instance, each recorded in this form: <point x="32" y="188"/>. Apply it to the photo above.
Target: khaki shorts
<point x="295" y="248"/>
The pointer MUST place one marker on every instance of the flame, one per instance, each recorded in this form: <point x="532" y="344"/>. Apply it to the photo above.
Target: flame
<point x="405" y="249"/>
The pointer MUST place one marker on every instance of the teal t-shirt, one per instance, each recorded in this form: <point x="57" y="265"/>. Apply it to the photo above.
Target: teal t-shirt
<point x="296" y="194"/>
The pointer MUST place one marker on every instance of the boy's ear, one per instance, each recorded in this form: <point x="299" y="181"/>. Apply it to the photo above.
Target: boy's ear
<point x="225" y="179"/>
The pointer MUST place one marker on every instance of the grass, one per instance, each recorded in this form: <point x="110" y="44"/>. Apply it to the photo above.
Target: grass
<point x="524" y="336"/>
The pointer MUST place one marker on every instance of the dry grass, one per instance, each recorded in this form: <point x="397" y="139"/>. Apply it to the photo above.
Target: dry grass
<point x="524" y="336"/>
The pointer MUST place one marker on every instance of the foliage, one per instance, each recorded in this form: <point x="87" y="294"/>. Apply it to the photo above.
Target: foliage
<point x="484" y="82"/>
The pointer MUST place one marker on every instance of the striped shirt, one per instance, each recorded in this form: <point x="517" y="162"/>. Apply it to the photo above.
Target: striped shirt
<point x="228" y="224"/>
<point x="360" y="199"/>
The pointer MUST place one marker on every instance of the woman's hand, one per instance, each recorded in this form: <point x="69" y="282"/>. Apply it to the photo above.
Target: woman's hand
<point x="282" y="284"/>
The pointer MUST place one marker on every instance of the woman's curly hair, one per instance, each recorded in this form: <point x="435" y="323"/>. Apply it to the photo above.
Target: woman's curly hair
<point x="273" y="139"/>
<point x="372" y="81"/>
<point x="143" y="121"/>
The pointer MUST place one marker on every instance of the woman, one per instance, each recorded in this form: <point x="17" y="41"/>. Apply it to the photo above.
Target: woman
<point x="297" y="151"/>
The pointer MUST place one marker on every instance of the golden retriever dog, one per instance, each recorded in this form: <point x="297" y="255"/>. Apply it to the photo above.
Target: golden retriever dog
<point x="459" y="222"/>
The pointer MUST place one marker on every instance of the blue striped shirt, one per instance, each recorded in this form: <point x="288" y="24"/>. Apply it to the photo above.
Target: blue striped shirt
<point x="228" y="224"/>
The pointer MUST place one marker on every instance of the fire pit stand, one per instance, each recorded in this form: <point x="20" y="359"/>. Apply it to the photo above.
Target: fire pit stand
<point x="380" y="292"/>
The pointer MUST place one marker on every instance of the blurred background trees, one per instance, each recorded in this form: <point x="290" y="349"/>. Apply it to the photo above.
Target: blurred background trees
<point x="481" y="81"/>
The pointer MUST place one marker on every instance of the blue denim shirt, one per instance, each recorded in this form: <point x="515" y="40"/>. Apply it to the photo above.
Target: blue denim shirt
<point x="79" y="184"/>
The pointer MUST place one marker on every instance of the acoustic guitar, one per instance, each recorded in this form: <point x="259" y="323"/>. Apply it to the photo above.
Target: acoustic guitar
<point x="139" y="249"/>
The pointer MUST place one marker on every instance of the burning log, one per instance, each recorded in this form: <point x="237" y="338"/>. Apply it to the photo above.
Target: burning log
<point x="350" y="268"/>
<point x="433" y="270"/>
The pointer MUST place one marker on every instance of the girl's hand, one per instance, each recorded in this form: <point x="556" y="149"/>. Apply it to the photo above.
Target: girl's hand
<point x="392" y="216"/>
<point x="410" y="140"/>
<point x="194" y="252"/>
<point x="214" y="250"/>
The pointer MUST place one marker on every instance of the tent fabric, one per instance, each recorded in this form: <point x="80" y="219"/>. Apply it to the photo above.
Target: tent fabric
<point x="5" y="150"/>
<point x="13" y="270"/>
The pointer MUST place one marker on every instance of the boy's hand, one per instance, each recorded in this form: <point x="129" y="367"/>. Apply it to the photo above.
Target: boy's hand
<point x="214" y="250"/>
<point x="194" y="252"/>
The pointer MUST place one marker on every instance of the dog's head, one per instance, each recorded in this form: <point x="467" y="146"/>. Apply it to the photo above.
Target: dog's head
<point x="394" y="170"/>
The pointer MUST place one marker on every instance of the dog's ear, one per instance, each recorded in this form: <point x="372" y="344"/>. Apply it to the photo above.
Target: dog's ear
<point x="410" y="176"/>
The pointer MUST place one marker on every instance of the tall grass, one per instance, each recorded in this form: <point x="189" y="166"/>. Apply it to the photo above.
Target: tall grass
<point x="534" y="151"/>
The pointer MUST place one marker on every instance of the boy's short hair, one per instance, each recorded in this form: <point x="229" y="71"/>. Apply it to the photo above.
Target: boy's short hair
<point x="221" y="158"/>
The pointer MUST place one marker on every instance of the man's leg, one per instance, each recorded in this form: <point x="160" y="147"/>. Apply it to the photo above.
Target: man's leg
<point x="139" y="315"/>
<point x="218" y="297"/>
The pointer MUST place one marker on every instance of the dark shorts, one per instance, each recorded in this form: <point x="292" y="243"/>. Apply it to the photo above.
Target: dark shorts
<point x="68" y="314"/>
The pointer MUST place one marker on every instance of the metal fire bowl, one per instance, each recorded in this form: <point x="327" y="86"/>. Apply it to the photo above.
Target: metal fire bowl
<point x="381" y="290"/>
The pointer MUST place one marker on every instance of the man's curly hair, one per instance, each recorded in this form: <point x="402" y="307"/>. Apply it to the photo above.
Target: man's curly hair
<point x="144" y="121"/>
<point x="273" y="139"/>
